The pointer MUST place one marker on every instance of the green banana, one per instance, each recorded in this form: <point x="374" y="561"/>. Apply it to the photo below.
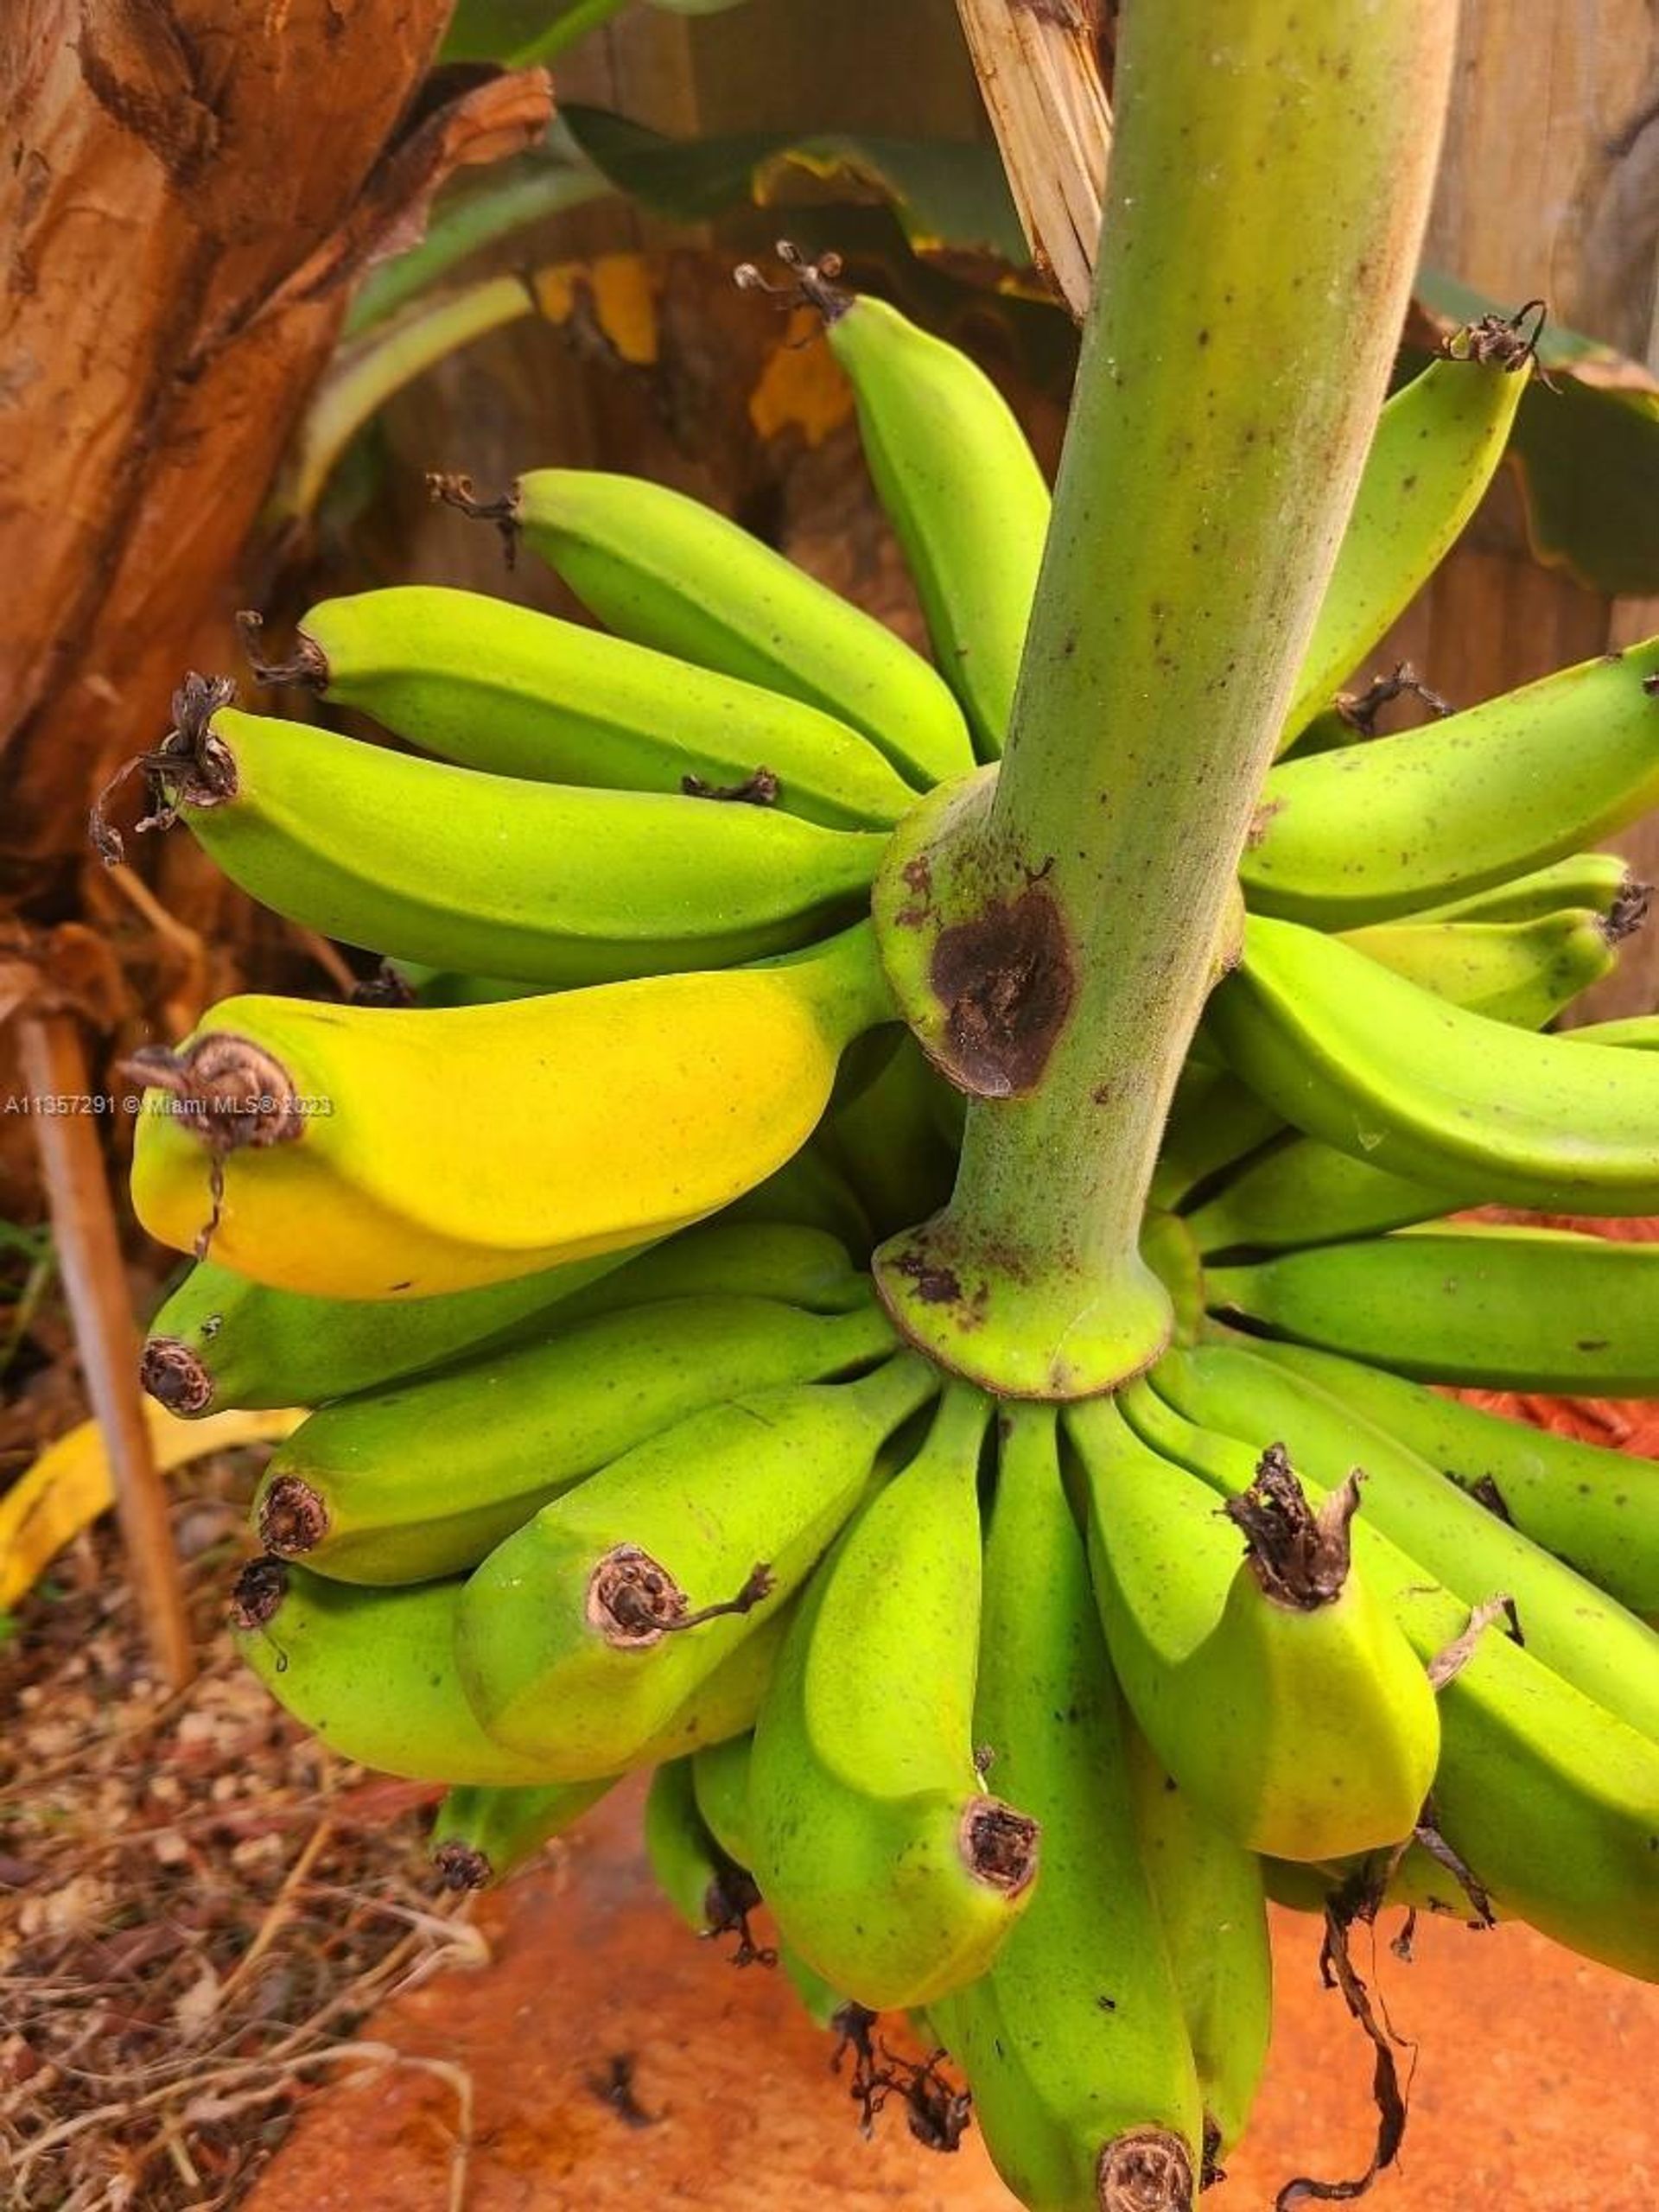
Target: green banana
<point x="1273" y="1685"/>
<point x="489" y="685"/>
<point x="1373" y="830"/>
<point x="559" y="884"/>
<point x="1366" y="1060"/>
<point x="218" y="1339"/>
<point x="579" y="1633"/>
<point x="809" y="1190"/>
<point x="960" y="486"/>
<point x="1075" y="2042"/>
<point x="719" y="1777"/>
<point x="1214" y="1121"/>
<point x="1595" y="1509"/>
<point x="666" y="571"/>
<point x="1568" y="1624"/>
<point x="1601" y="882"/>
<point x="794" y="1262"/>
<point x="1511" y="1308"/>
<point x="887" y="1866"/>
<point x="885" y="1135"/>
<point x="447" y="1149"/>
<point x="1551" y="1800"/>
<point x="1520" y="972"/>
<point x="484" y="1832"/>
<point x="1300" y="1193"/>
<point x="1437" y="444"/>
<point x="372" y="1672"/>
<point x="412" y="1484"/>
<point x="1210" y="1905"/>
<point x="711" y="1896"/>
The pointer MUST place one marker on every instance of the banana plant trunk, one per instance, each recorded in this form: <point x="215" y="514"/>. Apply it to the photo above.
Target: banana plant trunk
<point x="1055" y="928"/>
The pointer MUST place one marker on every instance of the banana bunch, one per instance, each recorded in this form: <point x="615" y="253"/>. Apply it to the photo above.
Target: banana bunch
<point x="1011" y="1718"/>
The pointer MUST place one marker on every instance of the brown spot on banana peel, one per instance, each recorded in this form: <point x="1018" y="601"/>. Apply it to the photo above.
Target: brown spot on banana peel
<point x="1006" y="980"/>
<point x="293" y="1518"/>
<point x="1147" y="2169"/>
<point x="999" y="1846"/>
<point x="633" y="1601"/>
<point x="1300" y="1556"/>
<point x="175" y="1377"/>
<point x="257" y="1593"/>
<point x="461" y="1866"/>
<point x="230" y="1093"/>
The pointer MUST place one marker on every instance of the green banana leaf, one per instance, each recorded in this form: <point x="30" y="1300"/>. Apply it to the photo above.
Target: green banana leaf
<point x="950" y="196"/>
<point x="519" y="32"/>
<point x="1586" y="444"/>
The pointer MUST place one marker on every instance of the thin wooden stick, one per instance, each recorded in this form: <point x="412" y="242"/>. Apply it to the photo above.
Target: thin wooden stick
<point x="1039" y="77"/>
<point x="89" y="1254"/>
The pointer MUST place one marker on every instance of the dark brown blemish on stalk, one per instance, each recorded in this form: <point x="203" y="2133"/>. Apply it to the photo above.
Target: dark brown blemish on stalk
<point x="1487" y="1493"/>
<point x="1627" y="912"/>
<point x="257" y="1593"/>
<point x="1149" y="2170"/>
<point x="999" y="1846"/>
<point x="761" y="788"/>
<point x="918" y="880"/>
<point x="457" y="492"/>
<point x="1007" y="981"/>
<point x="1299" y="1555"/>
<point x="173" y="1375"/>
<point x="935" y="1286"/>
<point x="308" y="667"/>
<point x="293" y="1519"/>
<point x="462" y="1867"/>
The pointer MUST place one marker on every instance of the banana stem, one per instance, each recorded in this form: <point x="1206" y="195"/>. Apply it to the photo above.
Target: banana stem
<point x="1267" y="194"/>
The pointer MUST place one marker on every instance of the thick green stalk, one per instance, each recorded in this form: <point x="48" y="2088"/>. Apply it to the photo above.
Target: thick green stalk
<point x="1053" y="931"/>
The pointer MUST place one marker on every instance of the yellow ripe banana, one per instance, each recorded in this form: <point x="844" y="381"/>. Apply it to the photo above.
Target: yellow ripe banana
<point x="1437" y="445"/>
<point x="491" y="685"/>
<point x="1274" y="1687"/>
<point x="1549" y="1799"/>
<point x="889" y="1867"/>
<point x="1588" y="1639"/>
<point x="582" y="1631"/>
<point x="959" y="484"/>
<point x="398" y="1154"/>
<point x="491" y="874"/>
<point x="482" y="1832"/>
<point x="668" y="572"/>
<point x="1075" y="2042"/>
<point x="1372" y="1064"/>
<point x="1211" y="1907"/>
<point x="1374" y="831"/>
<point x="409" y="1484"/>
